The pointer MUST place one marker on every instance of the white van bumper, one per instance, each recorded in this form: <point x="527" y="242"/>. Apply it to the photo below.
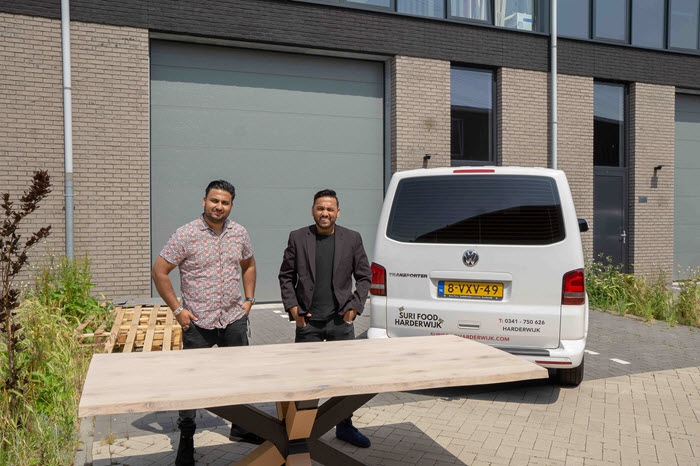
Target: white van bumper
<point x="374" y="332"/>
<point x="567" y="356"/>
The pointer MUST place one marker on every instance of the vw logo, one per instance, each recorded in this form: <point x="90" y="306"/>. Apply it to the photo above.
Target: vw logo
<point x="470" y="258"/>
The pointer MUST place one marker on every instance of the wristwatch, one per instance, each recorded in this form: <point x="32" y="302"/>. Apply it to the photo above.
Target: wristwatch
<point x="177" y="311"/>
<point x="252" y="300"/>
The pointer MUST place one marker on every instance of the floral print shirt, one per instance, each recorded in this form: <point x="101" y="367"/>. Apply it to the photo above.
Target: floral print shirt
<point x="209" y="270"/>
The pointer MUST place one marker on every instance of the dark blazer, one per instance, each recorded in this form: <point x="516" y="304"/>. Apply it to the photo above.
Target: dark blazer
<point x="298" y="270"/>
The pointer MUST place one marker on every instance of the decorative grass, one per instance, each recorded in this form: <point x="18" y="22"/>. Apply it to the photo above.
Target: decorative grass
<point x="649" y="297"/>
<point x="39" y="422"/>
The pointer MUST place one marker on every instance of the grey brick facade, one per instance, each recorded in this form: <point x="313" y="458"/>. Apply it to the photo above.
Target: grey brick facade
<point x="110" y="140"/>
<point x="420" y="114"/>
<point x="651" y="135"/>
<point x="575" y="145"/>
<point x="522" y="117"/>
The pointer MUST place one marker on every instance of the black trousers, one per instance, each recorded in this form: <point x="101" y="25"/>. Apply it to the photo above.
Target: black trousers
<point x="317" y="330"/>
<point x="334" y="329"/>
<point x="235" y="334"/>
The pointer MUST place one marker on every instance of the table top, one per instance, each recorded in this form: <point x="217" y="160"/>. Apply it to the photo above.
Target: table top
<point x="199" y="378"/>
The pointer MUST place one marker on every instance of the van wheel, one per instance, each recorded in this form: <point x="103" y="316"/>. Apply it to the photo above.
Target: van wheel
<point x="571" y="377"/>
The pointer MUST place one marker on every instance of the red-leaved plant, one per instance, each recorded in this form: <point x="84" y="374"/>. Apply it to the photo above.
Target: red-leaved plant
<point x="13" y="255"/>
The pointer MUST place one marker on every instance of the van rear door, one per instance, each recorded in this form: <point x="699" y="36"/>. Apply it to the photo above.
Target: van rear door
<point x="480" y="255"/>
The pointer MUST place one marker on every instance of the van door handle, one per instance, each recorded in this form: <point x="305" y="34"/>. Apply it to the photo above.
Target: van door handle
<point x="623" y="237"/>
<point x="464" y="324"/>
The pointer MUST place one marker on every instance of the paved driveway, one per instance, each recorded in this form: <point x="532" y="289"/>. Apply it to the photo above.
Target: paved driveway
<point x="639" y="404"/>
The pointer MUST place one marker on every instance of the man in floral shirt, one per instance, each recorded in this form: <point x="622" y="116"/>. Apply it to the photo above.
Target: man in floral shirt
<point x="214" y="255"/>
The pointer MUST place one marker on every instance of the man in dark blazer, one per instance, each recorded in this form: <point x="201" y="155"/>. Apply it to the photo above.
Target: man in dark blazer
<point x="316" y="275"/>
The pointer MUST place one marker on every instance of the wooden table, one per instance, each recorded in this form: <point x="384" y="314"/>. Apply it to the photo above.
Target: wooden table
<point x="295" y="376"/>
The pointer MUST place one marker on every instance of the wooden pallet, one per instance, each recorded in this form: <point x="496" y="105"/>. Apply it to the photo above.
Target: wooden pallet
<point x="138" y="328"/>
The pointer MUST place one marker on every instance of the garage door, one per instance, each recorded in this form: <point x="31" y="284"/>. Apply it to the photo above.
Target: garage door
<point x="687" y="189"/>
<point x="279" y="126"/>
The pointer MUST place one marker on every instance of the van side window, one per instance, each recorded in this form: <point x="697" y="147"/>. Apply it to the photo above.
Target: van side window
<point x="477" y="209"/>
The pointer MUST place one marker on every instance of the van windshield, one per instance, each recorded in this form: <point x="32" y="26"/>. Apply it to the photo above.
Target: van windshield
<point x="477" y="209"/>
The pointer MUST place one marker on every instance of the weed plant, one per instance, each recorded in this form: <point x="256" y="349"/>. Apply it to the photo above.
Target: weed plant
<point x="42" y="429"/>
<point x="687" y="308"/>
<point x="65" y="284"/>
<point x="649" y="297"/>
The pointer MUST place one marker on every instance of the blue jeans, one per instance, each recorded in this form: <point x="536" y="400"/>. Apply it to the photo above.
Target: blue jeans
<point x="235" y="334"/>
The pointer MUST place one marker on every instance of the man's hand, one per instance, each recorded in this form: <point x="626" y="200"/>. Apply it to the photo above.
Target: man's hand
<point x="300" y="320"/>
<point x="247" y="305"/>
<point x="184" y="318"/>
<point x="349" y="315"/>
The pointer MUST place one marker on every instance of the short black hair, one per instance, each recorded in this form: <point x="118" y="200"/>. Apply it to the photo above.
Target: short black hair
<point x="222" y="185"/>
<point x="327" y="193"/>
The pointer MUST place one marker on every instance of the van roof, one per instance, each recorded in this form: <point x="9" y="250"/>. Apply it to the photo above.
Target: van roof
<point x="471" y="169"/>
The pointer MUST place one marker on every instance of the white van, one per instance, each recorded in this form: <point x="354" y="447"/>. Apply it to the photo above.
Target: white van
<point x="492" y="254"/>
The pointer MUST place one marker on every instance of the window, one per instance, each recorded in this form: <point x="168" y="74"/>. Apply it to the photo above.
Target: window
<point x="471" y="9"/>
<point x="526" y="15"/>
<point x="658" y="24"/>
<point x="573" y="18"/>
<point x="609" y="125"/>
<point x="648" y="20"/>
<point x="432" y="8"/>
<point x="471" y="96"/>
<point x="610" y="20"/>
<point x="380" y="3"/>
<point x="477" y="209"/>
<point x="683" y="24"/>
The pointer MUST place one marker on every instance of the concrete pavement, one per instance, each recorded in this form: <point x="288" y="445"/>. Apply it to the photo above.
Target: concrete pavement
<point x="639" y="404"/>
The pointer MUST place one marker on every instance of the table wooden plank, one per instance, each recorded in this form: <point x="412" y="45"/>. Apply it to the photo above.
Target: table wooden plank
<point x="200" y="378"/>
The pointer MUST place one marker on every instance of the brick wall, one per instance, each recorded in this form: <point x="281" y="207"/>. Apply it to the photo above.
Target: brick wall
<point x="110" y="140"/>
<point x="651" y="134"/>
<point x="31" y="121"/>
<point x="575" y="145"/>
<point x="522" y="118"/>
<point x="420" y="113"/>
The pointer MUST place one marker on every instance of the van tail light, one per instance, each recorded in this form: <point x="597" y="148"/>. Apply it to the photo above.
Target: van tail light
<point x="378" y="286"/>
<point x="573" y="290"/>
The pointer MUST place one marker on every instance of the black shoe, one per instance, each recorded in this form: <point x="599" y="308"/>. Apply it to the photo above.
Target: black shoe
<point x="349" y="433"/>
<point x="239" y="434"/>
<point x="185" y="449"/>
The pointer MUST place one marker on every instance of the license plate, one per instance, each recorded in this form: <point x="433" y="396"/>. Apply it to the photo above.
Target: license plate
<point x="474" y="290"/>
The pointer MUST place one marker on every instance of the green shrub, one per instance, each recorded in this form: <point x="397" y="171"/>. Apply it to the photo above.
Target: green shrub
<point x="649" y="297"/>
<point x="688" y="301"/>
<point x="606" y="286"/>
<point x="65" y="284"/>
<point x="42" y="428"/>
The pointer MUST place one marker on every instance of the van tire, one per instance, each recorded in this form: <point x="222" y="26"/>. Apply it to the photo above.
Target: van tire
<point x="571" y="377"/>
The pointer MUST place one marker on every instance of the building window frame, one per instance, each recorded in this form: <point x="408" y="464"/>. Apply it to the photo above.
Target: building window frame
<point x="590" y="21"/>
<point x="627" y="23"/>
<point x="492" y="133"/>
<point x="664" y="32"/>
<point x="464" y="19"/>
<point x="669" y="45"/>
<point x="623" y="153"/>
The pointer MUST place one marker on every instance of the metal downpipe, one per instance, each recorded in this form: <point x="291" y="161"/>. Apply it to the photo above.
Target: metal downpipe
<point x="67" y="125"/>
<point x="553" y="75"/>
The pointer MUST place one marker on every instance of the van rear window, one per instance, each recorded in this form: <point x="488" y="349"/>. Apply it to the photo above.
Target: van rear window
<point x="477" y="209"/>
